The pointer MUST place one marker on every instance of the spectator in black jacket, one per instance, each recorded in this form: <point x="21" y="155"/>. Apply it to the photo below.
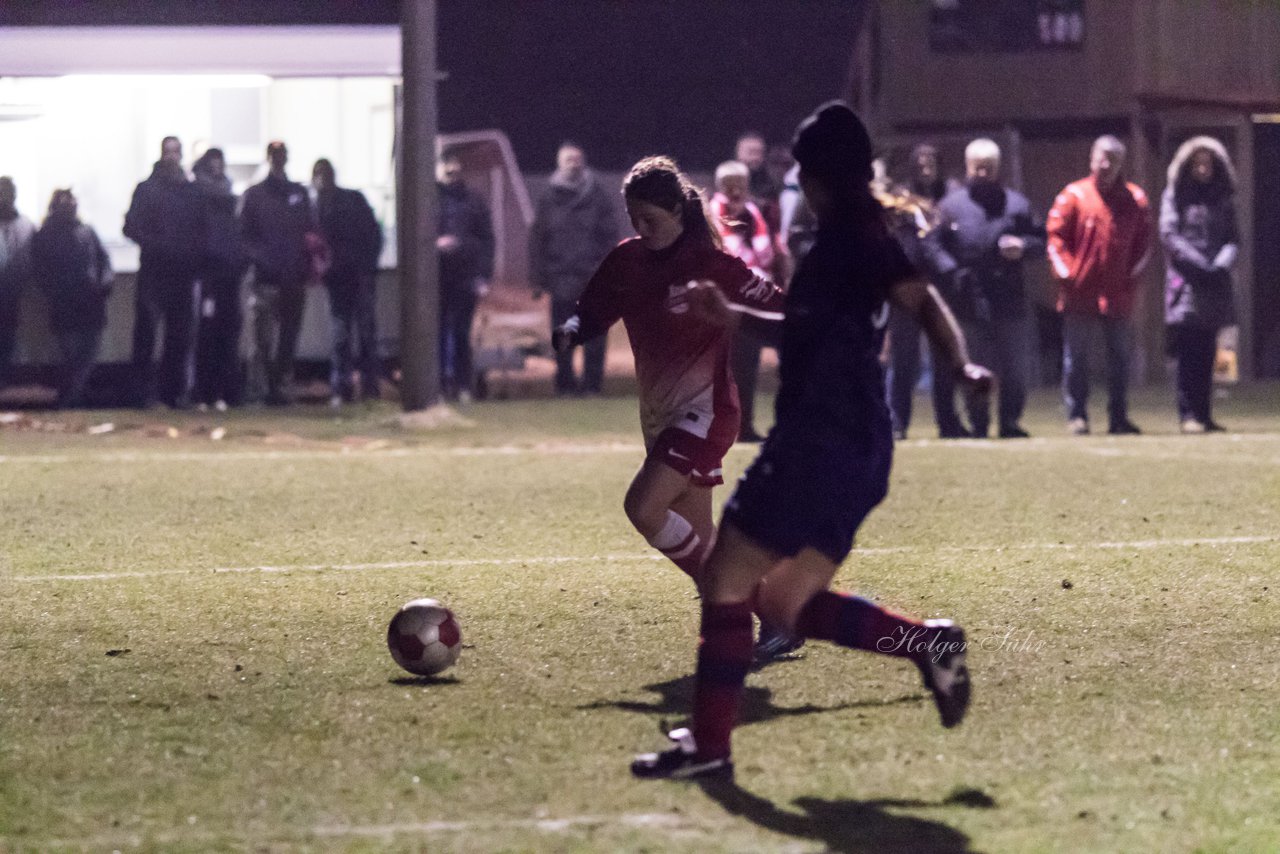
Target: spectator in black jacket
<point x="465" y="244"/>
<point x="218" y="334"/>
<point x="166" y="220"/>
<point x="986" y="232"/>
<point x="349" y="227"/>
<point x="574" y="227"/>
<point x="277" y="224"/>
<point x="75" y="274"/>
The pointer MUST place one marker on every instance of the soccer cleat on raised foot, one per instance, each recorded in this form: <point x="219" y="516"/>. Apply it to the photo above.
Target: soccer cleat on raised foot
<point x="774" y="643"/>
<point x="942" y="664"/>
<point x="681" y="762"/>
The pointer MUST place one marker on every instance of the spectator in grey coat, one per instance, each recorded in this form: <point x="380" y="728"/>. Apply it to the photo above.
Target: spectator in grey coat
<point x="1198" y="230"/>
<point x="278" y="227"/>
<point x="574" y="227"/>
<point x="16" y="232"/>
<point x="986" y="231"/>
<point x="75" y="274"/>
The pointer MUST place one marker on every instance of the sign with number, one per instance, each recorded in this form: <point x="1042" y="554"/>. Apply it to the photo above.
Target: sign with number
<point x="1005" y="26"/>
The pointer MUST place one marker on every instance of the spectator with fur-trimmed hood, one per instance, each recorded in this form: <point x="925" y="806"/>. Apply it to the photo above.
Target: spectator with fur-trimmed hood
<point x="1198" y="230"/>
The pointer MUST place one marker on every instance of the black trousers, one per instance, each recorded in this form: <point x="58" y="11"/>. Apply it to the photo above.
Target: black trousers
<point x="218" y="336"/>
<point x="164" y="298"/>
<point x="10" y="296"/>
<point x="1195" y="348"/>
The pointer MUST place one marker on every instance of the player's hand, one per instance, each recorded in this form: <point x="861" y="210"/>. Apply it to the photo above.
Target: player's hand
<point x="976" y="379"/>
<point x="1011" y="247"/>
<point x="706" y="302"/>
<point x="561" y="340"/>
<point x="447" y="243"/>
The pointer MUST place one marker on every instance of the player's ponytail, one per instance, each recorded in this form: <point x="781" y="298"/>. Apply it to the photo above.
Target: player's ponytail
<point x="658" y="181"/>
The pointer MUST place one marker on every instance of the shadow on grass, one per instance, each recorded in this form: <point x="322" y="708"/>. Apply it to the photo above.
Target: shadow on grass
<point x="676" y="698"/>
<point x="846" y="825"/>
<point x="424" y="680"/>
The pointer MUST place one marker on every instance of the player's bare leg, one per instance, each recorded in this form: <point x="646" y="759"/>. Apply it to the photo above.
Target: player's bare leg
<point x="651" y="505"/>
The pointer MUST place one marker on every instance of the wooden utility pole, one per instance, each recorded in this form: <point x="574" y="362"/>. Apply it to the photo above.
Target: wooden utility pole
<point x="417" y="200"/>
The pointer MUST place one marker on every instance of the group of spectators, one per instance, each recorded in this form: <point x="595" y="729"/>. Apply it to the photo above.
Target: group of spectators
<point x="197" y="241"/>
<point x="973" y="239"/>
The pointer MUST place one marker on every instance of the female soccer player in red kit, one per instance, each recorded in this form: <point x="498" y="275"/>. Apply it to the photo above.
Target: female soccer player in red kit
<point x="661" y="284"/>
<point x="825" y="465"/>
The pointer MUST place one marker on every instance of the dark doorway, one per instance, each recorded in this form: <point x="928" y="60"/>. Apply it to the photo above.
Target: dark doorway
<point x="1266" y="279"/>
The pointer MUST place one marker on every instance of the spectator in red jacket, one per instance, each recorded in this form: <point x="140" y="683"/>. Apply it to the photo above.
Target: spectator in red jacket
<point x="1099" y="241"/>
<point x="747" y="236"/>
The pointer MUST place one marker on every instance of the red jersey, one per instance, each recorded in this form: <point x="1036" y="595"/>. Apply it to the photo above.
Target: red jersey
<point x="682" y="362"/>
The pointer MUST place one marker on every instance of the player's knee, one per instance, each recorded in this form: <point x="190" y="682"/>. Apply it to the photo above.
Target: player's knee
<point x="645" y="516"/>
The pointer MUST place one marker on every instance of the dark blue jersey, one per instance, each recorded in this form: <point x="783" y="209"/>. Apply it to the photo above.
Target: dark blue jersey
<point x="832" y="384"/>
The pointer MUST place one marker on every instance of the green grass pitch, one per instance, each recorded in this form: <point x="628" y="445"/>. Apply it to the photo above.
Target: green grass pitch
<point x="193" y="656"/>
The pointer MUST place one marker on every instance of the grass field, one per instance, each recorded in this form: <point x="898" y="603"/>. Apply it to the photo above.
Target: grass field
<point x="192" y="639"/>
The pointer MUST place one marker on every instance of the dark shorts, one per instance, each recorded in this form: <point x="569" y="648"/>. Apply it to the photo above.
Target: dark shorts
<point x="801" y="494"/>
<point x="702" y="460"/>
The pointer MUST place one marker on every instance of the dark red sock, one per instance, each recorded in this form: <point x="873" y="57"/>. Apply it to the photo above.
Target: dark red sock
<point x="724" y="657"/>
<point x="858" y="623"/>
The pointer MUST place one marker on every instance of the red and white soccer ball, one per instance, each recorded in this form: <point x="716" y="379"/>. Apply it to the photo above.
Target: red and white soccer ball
<point x="424" y="637"/>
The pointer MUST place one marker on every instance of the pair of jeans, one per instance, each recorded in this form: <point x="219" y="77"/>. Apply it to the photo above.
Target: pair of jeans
<point x="1079" y="334"/>
<point x="593" y="353"/>
<point x="218" y="336"/>
<point x="1002" y="345"/>
<point x="904" y="372"/>
<point x="1195" y="348"/>
<point x="164" y="297"/>
<point x="276" y="309"/>
<point x="352" y="300"/>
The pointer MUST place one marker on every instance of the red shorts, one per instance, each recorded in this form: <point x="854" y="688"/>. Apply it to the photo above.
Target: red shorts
<point x="702" y="460"/>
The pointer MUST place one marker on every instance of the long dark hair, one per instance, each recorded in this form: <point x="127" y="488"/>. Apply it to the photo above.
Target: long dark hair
<point x="659" y="182"/>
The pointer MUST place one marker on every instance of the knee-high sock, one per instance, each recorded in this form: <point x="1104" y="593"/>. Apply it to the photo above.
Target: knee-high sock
<point x="724" y="657"/>
<point x="681" y="544"/>
<point x="858" y="623"/>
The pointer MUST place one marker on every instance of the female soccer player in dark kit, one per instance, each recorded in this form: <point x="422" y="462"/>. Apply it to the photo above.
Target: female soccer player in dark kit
<point x="825" y="465"/>
<point x="674" y="289"/>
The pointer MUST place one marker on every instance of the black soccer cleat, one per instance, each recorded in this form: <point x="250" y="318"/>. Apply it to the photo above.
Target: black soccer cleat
<point x="681" y="762"/>
<point x="943" y="667"/>
<point x="775" y="643"/>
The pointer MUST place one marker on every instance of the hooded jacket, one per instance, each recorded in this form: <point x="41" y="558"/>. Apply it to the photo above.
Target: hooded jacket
<point x="75" y="273"/>
<point x="1098" y="245"/>
<point x="166" y="220"/>
<point x="574" y="227"/>
<point x="1200" y="238"/>
<point x="222" y="233"/>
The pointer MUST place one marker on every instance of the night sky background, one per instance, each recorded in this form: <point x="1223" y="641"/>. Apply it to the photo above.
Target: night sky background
<point x="624" y="78"/>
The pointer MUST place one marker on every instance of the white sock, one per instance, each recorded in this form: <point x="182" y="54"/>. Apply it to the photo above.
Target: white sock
<point x="676" y="540"/>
